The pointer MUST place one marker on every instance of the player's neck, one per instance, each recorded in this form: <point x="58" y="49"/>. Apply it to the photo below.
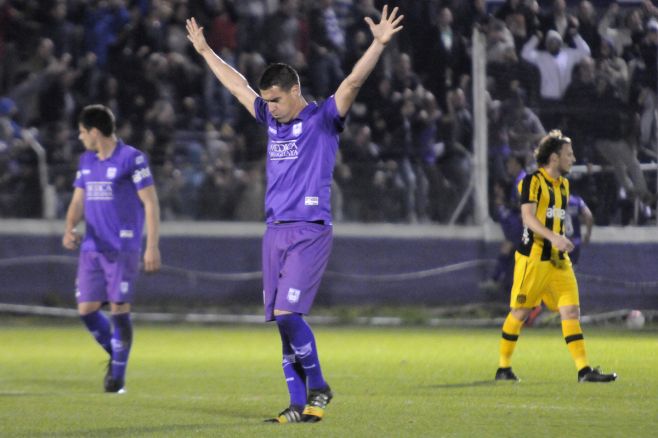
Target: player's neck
<point x="553" y="172"/>
<point x="106" y="147"/>
<point x="301" y="104"/>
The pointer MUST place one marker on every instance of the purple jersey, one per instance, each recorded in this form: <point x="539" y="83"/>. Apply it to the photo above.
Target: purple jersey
<point x="300" y="161"/>
<point x="114" y="214"/>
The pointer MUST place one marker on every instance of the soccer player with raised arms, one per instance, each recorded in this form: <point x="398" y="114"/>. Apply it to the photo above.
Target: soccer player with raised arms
<point x="301" y="153"/>
<point x="542" y="270"/>
<point x="114" y="191"/>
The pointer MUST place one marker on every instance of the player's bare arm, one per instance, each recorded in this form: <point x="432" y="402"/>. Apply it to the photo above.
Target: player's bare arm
<point x="588" y="219"/>
<point x="71" y="238"/>
<point x="149" y="198"/>
<point x="236" y="84"/>
<point x="528" y="214"/>
<point x="382" y="33"/>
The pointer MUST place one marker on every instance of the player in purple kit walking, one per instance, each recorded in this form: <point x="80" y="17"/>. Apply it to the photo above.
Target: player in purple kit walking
<point x="114" y="191"/>
<point x="302" y="146"/>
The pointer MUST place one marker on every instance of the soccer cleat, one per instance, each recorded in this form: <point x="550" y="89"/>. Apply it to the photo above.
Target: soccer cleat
<point x="506" y="374"/>
<point x="588" y="374"/>
<point x="291" y="414"/>
<point x="113" y="385"/>
<point x="317" y="402"/>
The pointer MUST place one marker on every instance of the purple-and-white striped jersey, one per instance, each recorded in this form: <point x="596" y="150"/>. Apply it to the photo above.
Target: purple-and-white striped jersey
<point x="114" y="214"/>
<point x="300" y="161"/>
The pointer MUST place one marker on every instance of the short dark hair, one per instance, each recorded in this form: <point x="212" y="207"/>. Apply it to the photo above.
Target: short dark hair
<point x="99" y="117"/>
<point x="278" y="74"/>
<point x="551" y="143"/>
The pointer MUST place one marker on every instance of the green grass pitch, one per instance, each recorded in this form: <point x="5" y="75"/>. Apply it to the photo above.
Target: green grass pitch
<point x="388" y="382"/>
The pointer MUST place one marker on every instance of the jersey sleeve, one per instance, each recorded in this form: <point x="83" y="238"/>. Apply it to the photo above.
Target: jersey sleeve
<point x="140" y="171"/>
<point x="529" y="190"/>
<point x="79" y="182"/>
<point x="581" y="205"/>
<point x="260" y="110"/>
<point x="332" y="120"/>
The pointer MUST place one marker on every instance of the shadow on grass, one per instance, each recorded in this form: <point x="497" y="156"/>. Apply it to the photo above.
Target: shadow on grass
<point x="478" y="383"/>
<point x="464" y="384"/>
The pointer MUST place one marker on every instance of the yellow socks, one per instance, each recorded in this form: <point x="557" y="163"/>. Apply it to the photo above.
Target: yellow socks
<point x="573" y="335"/>
<point x="511" y="330"/>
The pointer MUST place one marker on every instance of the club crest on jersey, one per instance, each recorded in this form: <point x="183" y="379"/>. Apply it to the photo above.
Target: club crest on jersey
<point x="297" y="129"/>
<point x="111" y="172"/>
<point x="293" y="295"/>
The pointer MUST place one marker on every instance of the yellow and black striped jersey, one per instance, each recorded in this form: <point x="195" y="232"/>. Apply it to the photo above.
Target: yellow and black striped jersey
<point x="552" y="197"/>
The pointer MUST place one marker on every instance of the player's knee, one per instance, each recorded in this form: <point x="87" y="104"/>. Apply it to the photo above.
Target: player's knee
<point x="117" y="308"/>
<point x="88" y="307"/>
<point x="520" y="313"/>
<point x="569" y="312"/>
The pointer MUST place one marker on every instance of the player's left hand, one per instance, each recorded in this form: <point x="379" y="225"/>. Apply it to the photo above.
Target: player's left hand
<point x="152" y="259"/>
<point x="387" y="27"/>
<point x="195" y="35"/>
<point x="561" y="243"/>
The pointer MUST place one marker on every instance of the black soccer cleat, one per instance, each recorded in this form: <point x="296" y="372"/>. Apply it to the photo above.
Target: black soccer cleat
<point x="113" y="385"/>
<point x="588" y="374"/>
<point x="316" y="404"/>
<point x="291" y="414"/>
<point x="506" y="374"/>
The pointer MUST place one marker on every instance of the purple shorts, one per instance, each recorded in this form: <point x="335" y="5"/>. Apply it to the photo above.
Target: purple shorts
<point x="106" y="277"/>
<point x="295" y="256"/>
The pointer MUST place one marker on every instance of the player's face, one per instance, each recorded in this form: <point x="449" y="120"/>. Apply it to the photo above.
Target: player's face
<point x="566" y="158"/>
<point x="283" y="105"/>
<point x="87" y="137"/>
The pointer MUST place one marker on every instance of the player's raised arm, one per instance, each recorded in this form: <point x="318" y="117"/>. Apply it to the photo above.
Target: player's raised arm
<point x="382" y="33"/>
<point x="236" y="84"/>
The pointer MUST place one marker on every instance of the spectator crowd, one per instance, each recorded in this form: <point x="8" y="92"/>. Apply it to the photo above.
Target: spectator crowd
<point x="588" y="68"/>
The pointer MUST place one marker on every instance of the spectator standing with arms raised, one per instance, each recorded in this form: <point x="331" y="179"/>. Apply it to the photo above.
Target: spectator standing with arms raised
<point x="555" y="65"/>
<point x="302" y="147"/>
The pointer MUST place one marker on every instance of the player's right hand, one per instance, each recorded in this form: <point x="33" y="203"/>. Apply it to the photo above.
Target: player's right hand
<point x="195" y="35"/>
<point x="71" y="239"/>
